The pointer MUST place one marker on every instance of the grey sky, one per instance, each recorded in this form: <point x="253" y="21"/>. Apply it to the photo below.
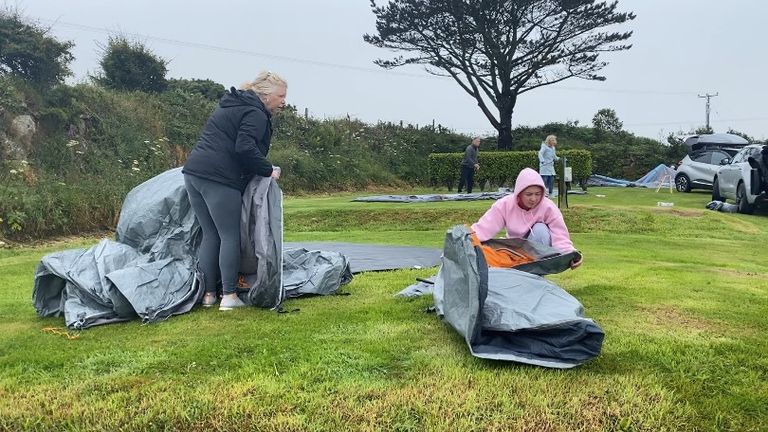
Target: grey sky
<point x="682" y="48"/>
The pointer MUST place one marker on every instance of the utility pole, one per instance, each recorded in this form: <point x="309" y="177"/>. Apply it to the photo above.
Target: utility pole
<point x="708" y="97"/>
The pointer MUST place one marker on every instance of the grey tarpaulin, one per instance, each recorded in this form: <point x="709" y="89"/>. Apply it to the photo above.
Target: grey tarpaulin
<point x="149" y="270"/>
<point x="373" y="257"/>
<point x="261" y="243"/>
<point x="314" y="272"/>
<point x="146" y="272"/>
<point x="722" y="206"/>
<point x="507" y="314"/>
<point x="435" y="197"/>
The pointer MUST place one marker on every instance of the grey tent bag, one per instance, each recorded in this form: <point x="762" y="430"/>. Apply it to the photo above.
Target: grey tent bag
<point x="508" y="314"/>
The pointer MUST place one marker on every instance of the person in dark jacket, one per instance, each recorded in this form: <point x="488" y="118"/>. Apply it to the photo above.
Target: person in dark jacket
<point x="232" y="148"/>
<point x="469" y="165"/>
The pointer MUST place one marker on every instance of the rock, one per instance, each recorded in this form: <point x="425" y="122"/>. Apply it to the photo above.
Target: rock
<point x="17" y="145"/>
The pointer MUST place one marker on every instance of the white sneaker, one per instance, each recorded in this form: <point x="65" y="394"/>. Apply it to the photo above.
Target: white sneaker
<point x="230" y="302"/>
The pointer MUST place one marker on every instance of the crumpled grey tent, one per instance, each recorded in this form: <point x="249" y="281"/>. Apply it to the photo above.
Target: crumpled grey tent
<point x="508" y="314"/>
<point x="149" y="271"/>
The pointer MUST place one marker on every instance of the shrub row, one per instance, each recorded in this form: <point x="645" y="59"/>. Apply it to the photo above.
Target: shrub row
<point x="500" y="168"/>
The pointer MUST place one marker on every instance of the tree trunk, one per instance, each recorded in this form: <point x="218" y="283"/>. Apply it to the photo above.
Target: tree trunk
<point x="505" y="122"/>
<point x="505" y="136"/>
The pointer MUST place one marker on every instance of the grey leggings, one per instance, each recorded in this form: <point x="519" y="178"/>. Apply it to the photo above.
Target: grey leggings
<point x="217" y="208"/>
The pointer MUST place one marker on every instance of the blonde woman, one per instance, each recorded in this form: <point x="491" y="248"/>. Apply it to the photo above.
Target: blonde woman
<point x="232" y="148"/>
<point x="547" y="159"/>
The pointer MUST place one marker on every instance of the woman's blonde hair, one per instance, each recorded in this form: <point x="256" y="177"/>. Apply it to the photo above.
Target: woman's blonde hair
<point x="550" y="139"/>
<point x="265" y="84"/>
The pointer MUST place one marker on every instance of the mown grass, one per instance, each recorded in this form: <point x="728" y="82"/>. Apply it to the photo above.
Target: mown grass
<point x="681" y="293"/>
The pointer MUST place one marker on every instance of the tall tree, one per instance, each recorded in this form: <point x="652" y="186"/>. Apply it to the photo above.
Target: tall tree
<point x="497" y="50"/>
<point x="27" y="51"/>
<point x="606" y="122"/>
<point x="128" y="65"/>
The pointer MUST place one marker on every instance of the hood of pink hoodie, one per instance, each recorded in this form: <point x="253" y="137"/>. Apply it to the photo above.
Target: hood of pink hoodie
<point x="507" y="214"/>
<point x="526" y="178"/>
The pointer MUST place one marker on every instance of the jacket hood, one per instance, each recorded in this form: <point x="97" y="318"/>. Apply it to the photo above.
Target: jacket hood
<point x="237" y="97"/>
<point x="526" y="178"/>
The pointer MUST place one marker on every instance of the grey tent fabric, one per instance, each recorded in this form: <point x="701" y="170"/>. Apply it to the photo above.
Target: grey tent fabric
<point x="261" y="243"/>
<point x="601" y="180"/>
<point x="418" y="289"/>
<point x="436" y="197"/>
<point x="149" y="271"/>
<point x="507" y="314"/>
<point x="314" y="272"/>
<point x="85" y="298"/>
<point x="146" y="272"/>
<point x="374" y="257"/>
<point x="722" y="207"/>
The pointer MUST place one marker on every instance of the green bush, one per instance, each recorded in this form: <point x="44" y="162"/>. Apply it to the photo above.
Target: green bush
<point x="499" y="168"/>
<point x="51" y="206"/>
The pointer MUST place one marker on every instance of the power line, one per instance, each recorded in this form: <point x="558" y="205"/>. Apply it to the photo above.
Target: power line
<point x="187" y="44"/>
<point x="230" y="50"/>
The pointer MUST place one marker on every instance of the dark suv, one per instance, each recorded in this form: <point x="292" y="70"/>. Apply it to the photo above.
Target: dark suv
<point x="697" y="170"/>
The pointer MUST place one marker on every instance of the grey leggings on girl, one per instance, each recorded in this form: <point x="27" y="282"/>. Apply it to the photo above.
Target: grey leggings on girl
<point x="217" y="208"/>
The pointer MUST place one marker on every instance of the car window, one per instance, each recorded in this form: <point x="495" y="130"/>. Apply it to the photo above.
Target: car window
<point x="740" y="156"/>
<point x="703" y="157"/>
<point x="718" y="156"/>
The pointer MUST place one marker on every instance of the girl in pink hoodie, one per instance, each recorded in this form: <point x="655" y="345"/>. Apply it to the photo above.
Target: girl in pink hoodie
<point x="526" y="214"/>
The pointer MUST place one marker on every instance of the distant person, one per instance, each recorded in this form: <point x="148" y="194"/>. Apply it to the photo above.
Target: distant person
<point x="469" y="165"/>
<point x="231" y="150"/>
<point x="525" y="214"/>
<point x="547" y="159"/>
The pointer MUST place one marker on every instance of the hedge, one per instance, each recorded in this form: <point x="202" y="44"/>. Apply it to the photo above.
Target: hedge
<point x="499" y="168"/>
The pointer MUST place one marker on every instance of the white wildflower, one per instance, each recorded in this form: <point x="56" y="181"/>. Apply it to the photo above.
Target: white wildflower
<point x="13" y="171"/>
<point x="136" y="169"/>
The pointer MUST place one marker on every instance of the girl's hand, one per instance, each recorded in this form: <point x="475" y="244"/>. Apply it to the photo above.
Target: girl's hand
<point x="575" y="264"/>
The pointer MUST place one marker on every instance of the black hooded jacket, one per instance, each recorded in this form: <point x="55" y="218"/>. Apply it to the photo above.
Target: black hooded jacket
<point x="234" y="143"/>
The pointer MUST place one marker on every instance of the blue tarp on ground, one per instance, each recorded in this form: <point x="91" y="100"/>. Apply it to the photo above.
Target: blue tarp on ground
<point x="661" y="175"/>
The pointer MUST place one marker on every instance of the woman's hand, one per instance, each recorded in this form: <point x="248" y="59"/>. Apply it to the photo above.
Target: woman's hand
<point x="276" y="172"/>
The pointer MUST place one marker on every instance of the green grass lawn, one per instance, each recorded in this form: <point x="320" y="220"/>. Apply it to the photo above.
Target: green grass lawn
<point x="681" y="293"/>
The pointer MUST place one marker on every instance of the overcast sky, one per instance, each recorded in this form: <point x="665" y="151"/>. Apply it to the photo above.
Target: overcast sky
<point x="681" y="49"/>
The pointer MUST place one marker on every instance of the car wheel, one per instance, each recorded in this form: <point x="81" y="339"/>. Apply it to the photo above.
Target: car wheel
<point x="741" y="200"/>
<point x="716" y="191"/>
<point x="682" y="183"/>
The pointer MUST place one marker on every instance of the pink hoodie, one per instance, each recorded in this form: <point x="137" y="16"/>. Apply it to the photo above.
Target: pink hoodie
<point x="506" y="213"/>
